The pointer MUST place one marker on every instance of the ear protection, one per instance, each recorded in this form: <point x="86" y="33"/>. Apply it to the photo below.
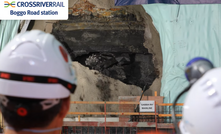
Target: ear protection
<point x="196" y="68"/>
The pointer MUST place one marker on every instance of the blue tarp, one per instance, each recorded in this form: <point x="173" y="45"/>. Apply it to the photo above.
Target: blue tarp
<point x="8" y="29"/>
<point x="140" y="2"/>
<point x="186" y="31"/>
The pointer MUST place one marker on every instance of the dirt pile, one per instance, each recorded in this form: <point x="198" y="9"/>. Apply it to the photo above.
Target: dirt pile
<point x="94" y="86"/>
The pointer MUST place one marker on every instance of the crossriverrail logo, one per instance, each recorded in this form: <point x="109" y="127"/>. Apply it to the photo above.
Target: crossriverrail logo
<point x="34" y="9"/>
<point x="8" y="4"/>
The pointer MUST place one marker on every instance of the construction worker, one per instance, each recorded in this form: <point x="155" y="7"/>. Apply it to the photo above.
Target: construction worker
<point x="202" y="106"/>
<point x="36" y="79"/>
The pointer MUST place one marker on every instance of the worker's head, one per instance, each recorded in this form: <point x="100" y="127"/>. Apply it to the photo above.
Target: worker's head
<point x="202" y="106"/>
<point x="36" y="79"/>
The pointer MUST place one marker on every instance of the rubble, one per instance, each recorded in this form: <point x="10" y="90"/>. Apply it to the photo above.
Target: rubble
<point x="135" y="69"/>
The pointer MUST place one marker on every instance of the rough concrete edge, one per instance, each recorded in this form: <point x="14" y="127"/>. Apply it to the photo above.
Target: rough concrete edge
<point x="152" y="43"/>
<point x="44" y="25"/>
<point x="154" y="48"/>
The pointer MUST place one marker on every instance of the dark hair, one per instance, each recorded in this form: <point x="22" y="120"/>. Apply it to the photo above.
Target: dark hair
<point x="33" y="119"/>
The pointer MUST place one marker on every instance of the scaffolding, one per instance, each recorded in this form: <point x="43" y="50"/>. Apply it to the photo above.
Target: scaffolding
<point x="157" y="121"/>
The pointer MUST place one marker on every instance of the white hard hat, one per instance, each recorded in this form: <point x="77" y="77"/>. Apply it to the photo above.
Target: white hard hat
<point x="202" y="107"/>
<point x="35" y="65"/>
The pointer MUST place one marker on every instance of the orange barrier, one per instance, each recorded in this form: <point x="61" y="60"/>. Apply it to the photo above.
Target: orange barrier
<point x="169" y="115"/>
<point x="110" y="113"/>
<point x="121" y="113"/>
<point x="105" y="113"/>
<point x="117" y="102"/>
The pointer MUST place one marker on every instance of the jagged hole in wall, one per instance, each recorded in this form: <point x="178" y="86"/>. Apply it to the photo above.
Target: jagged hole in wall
<point x="130" y="68"/>
<point x="112" y="45"/>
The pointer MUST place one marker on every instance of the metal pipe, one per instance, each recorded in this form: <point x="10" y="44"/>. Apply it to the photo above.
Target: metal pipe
<point x="105" y="116"/>
<point x="155" y="114"/>
<point x="110" y="113"/>
<point x="169" y="115"/>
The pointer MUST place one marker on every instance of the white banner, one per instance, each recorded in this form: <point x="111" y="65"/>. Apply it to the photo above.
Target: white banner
<point x="34" y="10"/>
